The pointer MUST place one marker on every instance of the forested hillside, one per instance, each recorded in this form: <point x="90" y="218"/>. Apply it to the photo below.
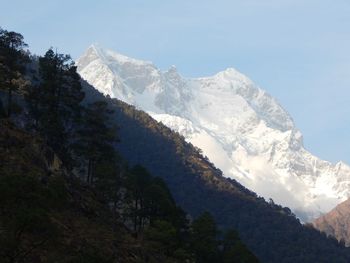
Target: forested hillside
<point x="47" y="215"/>
<point x="66" y="194"/>
<point x="129" y="176"/>
<point x="272" y="232"/>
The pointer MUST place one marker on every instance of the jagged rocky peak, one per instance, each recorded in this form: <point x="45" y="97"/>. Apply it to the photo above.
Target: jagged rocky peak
<point x="238" y="125"/>
<point x="110" y="56"/>
<point x="89" y="55"/>
<point x="231" y="74"/>
<point x="173" y="77"/>
<point x="172" y="70"/>
<point x="127" y="75"/>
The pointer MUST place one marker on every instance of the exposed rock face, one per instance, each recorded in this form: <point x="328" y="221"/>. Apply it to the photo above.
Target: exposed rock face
<point x="336" y="223"/>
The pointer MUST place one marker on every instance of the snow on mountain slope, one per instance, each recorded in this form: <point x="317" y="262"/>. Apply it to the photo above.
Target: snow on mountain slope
<point x="240" y="127"/>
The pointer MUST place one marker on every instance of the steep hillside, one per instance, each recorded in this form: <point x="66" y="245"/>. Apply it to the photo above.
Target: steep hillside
<point x="75" y="127"/>
<point x="241" y="128"/>
<point x="270" y="231"/>
<point x="66" y="195"/>
<point x="336" y="223"/>
<point x="46" y="214"/>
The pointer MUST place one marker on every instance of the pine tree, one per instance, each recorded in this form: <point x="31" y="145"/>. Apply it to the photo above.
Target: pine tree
<point x="51" y="68"/>
<point x="13" y="59"/>
<point x="204" y="242"/>
<point x="137" y="183"/>
<point x="234" y="251"/>
<point x="96" y="138"/>
<point x="55" y="100"/>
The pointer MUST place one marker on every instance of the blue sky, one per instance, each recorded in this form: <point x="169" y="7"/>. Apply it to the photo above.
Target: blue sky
<point x="297" y="50"/>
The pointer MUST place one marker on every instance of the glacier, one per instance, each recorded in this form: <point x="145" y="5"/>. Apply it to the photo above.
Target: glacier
<point x="242" y="129"/>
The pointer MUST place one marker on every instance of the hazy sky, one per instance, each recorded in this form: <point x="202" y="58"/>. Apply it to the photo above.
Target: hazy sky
<point x="297" y="50"/>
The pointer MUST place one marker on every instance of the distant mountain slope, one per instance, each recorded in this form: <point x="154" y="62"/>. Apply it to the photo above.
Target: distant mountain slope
<point x="241" y="128"/>
<point x="336" y="223"/>
<point x="270" y="231"/>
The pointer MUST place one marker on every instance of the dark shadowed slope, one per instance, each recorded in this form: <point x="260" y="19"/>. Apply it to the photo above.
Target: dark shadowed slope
<point x="48" y="215"/>
<point x="269" y="230"/>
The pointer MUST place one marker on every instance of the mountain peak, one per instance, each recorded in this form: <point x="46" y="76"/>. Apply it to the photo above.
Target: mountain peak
<point x="173" y="73"/>
<point x="240" y="127"/>
<point x="233" y="74"/>
<point x="172" y="69"/>
<point x="94" y="46"/>
<point x="110" y="56"/>
<point x="94" y="49"/>
<point x="229" y="72"/>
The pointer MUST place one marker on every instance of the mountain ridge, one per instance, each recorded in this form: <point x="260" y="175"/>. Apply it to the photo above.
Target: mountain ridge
<point x="95" y="126"/>
<point x="198" y="186"/>
<point x="226" y="115"/>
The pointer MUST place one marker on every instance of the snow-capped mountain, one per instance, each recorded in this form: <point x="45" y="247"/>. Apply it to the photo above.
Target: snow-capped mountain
<point x="240" y="127"/>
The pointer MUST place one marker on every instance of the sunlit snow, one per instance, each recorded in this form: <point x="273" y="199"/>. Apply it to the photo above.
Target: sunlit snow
<point x="240" y="127"/>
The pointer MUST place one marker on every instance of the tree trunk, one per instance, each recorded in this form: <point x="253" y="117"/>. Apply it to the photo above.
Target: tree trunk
<point x="2" y="110"/>
<point x="114" y="214"/>
<point x="88" y="172"/>
<point x="9" y="102"/>
<point x="36" y="113"/>
<point x="135" y="215"/>
<point x="141" y="215"/>
<point x="92" y="172"/>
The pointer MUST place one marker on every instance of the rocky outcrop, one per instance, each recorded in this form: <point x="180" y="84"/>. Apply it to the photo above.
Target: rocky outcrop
<point x="336" y="223"/>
